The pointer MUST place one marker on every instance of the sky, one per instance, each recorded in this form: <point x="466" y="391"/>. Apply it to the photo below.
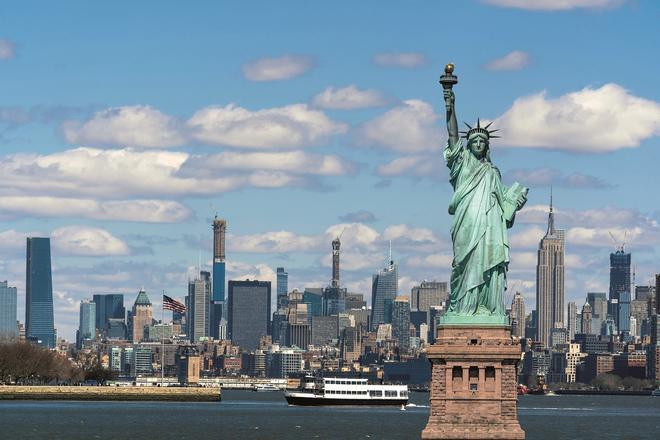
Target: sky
<point x="126" y="126"/>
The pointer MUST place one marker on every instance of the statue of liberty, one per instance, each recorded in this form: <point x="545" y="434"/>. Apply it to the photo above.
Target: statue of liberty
<point x="483" y="210"/>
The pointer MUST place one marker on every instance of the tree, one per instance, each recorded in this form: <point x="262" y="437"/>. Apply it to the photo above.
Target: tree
<point x="607" y="382"/>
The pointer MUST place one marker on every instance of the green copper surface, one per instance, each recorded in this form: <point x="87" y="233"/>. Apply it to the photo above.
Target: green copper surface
<point x="483" y="210"/>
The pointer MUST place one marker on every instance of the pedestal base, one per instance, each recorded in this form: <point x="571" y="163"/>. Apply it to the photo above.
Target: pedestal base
<point x="474" y="384"/>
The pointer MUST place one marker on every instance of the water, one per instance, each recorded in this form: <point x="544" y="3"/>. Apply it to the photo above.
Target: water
<point x="245" y="414"/>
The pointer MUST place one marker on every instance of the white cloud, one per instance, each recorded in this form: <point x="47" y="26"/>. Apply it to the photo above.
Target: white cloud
<point x="349" y="97"/>
<point x="416" y="165"/>
<point x="87" y="241"/>
<point x="76" y="240"/>
<point x="273" y="242"/>
<point x="555" y="5"/>
<point x="546" y="176"/>
<point x="442" y="261"/>
<point x="526" y="238"/>
<point x="7" y="50"/>
<point x="402" y="231"/>
<point x="151" y="211"/>
<point x="296" y="162"/>
<point x="275" y="69"/>
<point x="134" y="126"/>
<point x="12" y="239"/>
<point x="607" y="217"/>
<point x="410" y="127"/>
<point x="515" y="60"/>
<point x="292" y="126"/>
<point x="112" y="174"/>
<point x="592" y="120"/>
<point x="407" y="60"/>
<point x="244" y="271"/>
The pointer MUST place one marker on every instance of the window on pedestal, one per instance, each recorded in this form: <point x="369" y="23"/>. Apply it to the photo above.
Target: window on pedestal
<point x="490" y="378"/>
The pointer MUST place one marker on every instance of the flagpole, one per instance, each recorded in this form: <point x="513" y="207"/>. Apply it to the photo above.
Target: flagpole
<point x="162" y="339"/>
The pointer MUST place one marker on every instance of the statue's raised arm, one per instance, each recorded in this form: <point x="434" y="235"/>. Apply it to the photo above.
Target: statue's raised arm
<point x="448" y="80"/>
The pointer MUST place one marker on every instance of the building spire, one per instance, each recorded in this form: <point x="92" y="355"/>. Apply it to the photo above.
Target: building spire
<point x="551" y="217"/>
<point x="391" y="261"/>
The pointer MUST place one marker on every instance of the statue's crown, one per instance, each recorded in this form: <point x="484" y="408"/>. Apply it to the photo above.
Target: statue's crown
<point x="472" y="131"/>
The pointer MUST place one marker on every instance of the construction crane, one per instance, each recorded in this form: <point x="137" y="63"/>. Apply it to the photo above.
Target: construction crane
<point x="619" y="245"/>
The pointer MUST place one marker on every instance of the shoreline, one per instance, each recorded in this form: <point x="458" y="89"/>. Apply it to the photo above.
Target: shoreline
<point x="109" y="393"/>
<point x="605" y="393"/>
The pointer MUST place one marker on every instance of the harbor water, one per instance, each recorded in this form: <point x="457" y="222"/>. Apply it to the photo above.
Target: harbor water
<point x="250" y="415"/>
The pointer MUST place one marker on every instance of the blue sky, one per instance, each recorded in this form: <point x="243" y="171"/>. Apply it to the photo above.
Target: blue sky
<point x="124" y="127"/>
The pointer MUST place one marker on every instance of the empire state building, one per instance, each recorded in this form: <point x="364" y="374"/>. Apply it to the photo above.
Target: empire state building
<point x="550" y="281"/>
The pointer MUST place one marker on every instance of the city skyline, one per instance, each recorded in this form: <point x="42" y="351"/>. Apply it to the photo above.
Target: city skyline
<point x="358" y="153"/>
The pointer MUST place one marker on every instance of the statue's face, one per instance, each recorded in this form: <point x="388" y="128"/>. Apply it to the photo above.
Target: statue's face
<point x="479" y="146"/>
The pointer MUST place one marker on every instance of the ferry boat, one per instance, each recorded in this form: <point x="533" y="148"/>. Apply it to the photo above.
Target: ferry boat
<point x="265" y="388"/>
<point x="346" y="391"/>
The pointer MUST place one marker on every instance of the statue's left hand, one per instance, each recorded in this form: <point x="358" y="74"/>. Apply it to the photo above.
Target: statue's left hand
<point x="522" y="199"/>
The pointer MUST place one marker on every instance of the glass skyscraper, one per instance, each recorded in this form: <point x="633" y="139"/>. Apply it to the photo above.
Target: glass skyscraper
<point x="619" y="283"/>
<point x="249" y="312"/>
<point x="39" y="321"/>
<point x="282" y="286"/>
<point x="401" y="321"/>
<point x="110" y="306"/>
<point x="384" y="287"/>
<point x="87" y="324"/>
<point x="8" y="325"/>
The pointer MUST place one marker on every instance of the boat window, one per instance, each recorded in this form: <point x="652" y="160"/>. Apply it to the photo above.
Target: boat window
<point x="404" y="393"/>
<point x="343" y="391"/>
<point x="389" y="393"/>
<point x="376" y="393"/>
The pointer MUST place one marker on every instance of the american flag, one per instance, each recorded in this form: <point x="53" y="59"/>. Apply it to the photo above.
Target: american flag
<point x="173" y="305"/>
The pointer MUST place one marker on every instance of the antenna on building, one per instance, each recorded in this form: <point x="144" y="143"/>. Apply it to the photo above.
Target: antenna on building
<point x="390" y="260"/>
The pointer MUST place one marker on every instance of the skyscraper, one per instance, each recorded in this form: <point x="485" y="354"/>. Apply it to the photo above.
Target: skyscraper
<point x="401" y="321"/>
<point x="39" y="320"/>
<point x="199" y="303"/>
<point x="110" y="306"/>
<point x="572" y="321"/>
<point x="282" y="286"/>
<point x="550" y="281"/>
<point x="619" y="283"/>
<point x="219" y="230"/>
<point x="518" y="315"/>
<point x="623" y="312"/>
<point x="587" y="325"/>
<point x="598" y="302"/>
<point x="248" y="312"/>
<point x="217" y="299"/>
<point x="140" y="316"/>
<point x="427" y="294"/>
<point x="87" y="322"/>
<point x="8" y="305"/>
<point x="334" y="296"/>
<point x="336" y="244"/>
<point x="384" y="287"/>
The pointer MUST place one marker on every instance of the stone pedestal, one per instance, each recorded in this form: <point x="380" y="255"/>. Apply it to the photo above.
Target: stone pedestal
<point x="474" y="384"/>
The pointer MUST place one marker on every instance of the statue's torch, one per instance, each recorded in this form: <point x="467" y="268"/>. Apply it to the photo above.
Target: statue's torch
<point x="448" y="80"/>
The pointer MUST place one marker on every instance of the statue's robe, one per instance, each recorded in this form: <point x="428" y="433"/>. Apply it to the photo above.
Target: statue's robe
<point x="478" y="232"/>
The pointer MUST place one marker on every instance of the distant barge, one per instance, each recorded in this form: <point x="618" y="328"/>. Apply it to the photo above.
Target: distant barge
<point x="108" y="393"/>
